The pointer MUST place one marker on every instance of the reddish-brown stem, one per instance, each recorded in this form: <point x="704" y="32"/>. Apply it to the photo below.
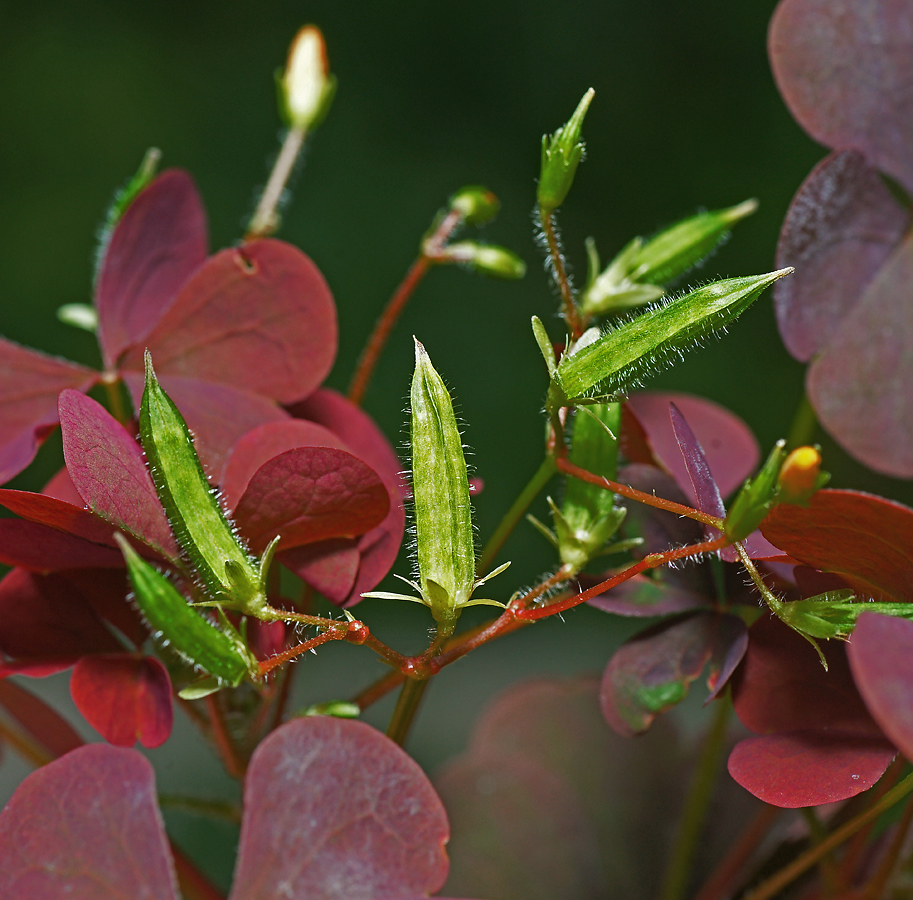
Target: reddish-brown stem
<point x="431" y="249"/>
<point x="224" y="744"/>
<point x="331" y="634"/>
<point x="193" y="883"/>
<point x="874" y="890"/>
<point x="377" y="691"/>
<point x="388" y="654"/>
<point x="285" y="689"/>
<point x="566" y="466"/>
<point x="27" y="748"/>
<point x="720" y="882"/>
<point x="568" y="306"/>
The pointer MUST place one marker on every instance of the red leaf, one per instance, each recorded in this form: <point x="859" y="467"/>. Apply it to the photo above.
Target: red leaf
<point x="333" y="810"/>
<point x="29" y="385"/>
<point x="844" y="68"/>
<point x="158" y="243"/>
<point x="258" y="317"/>
<point x="86" y="827"/>
<point x="43" y="723"/>
<point x="125" y="698"/>
<point x="329" y="567"/>
<point x="839" y="230"/>
<point x="58" y="514"/>
<point x="882" y="667"/>
<point x="43" y="549"/>
<point x="310" y="494"/>
<point x="109" y="471"/>
<point x="728" y="444"/>
<point x="866" y="539"/>
<point x="49" y="616"/>
<point x="808" y="768"/>
<point x="861" y="383"/>
<point x="61" y="487"/>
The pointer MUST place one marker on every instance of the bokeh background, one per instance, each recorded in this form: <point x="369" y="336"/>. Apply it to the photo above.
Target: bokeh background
<point x="431" y="96"/>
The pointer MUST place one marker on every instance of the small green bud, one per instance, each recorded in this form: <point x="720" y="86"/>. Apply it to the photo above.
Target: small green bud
<point x="610" y="364"/>
<point x="477" y="205"/>
<point x="756" y="497"/>
<point x="306" y="87"/>
<point x="486" y="259"/>
<point x="561" y="154"/>
<point x="231" y="576"/>
<point x="635" y="277"/>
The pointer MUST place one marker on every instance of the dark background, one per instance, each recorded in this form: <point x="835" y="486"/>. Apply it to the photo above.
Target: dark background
<point x="431" y="97"/>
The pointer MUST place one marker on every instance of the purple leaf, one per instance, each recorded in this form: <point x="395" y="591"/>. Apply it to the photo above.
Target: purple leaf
<point x="44" y="724"/>
<point x="310" y="494"/>
<point x="841" y="227"/>
<point x="86" y="827"/>
<point x="861" y="383"/>
<point x="844" y="68"/>
<point x="333" y="810"/>
<point x="259" y="317"/>
<point x="217" y="414"/>
<point x="47" y="616"/>
<point x="125" y="698"/>
<point x="154" y="248"/>
<point x="808" y="768"/>
<point x="29" y="385"/>
<point x="729" y="446"/>
<point x="642" y="596"/>
<point x="109" y="471"/>
<point x="652" y="672"/>
<point x="330" y="567"/>
<point x="882" y="667"/>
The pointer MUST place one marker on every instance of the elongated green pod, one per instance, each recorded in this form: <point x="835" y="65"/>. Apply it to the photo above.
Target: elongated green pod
<point x="228" y="572"/>
<point x="173" y="621"/>
<point x="621" y="356"/>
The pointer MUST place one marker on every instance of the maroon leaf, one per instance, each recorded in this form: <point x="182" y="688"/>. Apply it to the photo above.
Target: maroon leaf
<point x="43" y="723"/>
<point x="728" y="444"/>
<point x="782" y="686"/>
<point x="841" y="227"/>
<point x="109" y="471"/>
<point x="125" y="698"/>
<point x="63" y="516"/>
<point x="336" y="811"/>
<point x="44" y="549"/>
<point x="258" y="317"/>
<point x="652" y="672"/>
<point x="48" y="616"/>
<point x="29" y="385"/>
<point x="40" y="667"/>
<point x="865" y="539"/>
<point x="861" y="383"/>
<point x="107" y="592"/>
<point x="844" y="68"/>
<point x="158" y="243"/>
<point x="311" y="494"/>
<point x="263" y="443"/>
<point x="330" y="567"/>
<point x="882" y="667"/>
<point x="807" y="768"/>
<point x="86" y="827"/>
<point x="642" y="596"/>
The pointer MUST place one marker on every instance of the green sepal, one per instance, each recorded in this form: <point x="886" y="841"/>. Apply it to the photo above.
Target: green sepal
<point x="833" y="614"/>
<point x="175" y="623"/>
<point x="756" y="497"/>
<point x="228" y="572"/>
<point x="624" y="355"/>
<point x="201" y="688"/>
<point x="546" y="347"/>
<point x="561" y="154"/>
<point x="476" y="204"/>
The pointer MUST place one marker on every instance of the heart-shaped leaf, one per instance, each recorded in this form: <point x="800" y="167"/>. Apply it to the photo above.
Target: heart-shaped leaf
<point x="333" y="810"/>
<point x="259" y="317"/>
<point x="125" y="698"/>
<point x="158" y="243"/>
<point x="86" y="827"/>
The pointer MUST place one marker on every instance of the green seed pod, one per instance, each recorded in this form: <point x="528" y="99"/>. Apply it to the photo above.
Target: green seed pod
<point x="174" y="621"/>
<point x="622" y="356"/>
<point x="231" y="576"/>
<point x="561" y="154"/>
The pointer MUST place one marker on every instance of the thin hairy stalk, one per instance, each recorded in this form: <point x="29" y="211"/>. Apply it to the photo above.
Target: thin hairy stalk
<point x="231" y="759"/>
<point x="566" y="466"/>
<point x="406" y="707"/>
<point x="28" y="749"/>
<point x="331" y="634"/>
<point x="722" y="880"/>
<point x="559" y="273"/>
<point x="515" y="513"/>
<point x="694" y="814"/>
<point x="265" y="219"/>
<point x="193" y="883"/>
<point x="374" y="347"/>
<point x="776" y="883"/>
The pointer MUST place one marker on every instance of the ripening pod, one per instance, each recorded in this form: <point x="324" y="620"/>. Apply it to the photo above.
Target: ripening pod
<point x="306" y="87"/>
<point x="561" y="154"/>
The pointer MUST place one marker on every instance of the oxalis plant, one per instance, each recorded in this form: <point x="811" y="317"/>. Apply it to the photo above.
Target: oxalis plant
<point x="220" y="515"/>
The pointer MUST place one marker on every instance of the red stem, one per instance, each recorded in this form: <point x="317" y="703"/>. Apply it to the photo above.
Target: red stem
<point x="224" y="744"/>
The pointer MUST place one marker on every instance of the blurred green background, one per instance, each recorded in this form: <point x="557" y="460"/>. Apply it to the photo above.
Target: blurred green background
<point x="431" y="96"/>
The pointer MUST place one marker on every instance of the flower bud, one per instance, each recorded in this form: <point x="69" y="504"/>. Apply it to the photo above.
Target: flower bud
<point x="306" y="86"/>
<point x="477" y="205"/>
<point x="801" y="476"/>
<point x="486" y="259"/>
<point x="561" y="154"/>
